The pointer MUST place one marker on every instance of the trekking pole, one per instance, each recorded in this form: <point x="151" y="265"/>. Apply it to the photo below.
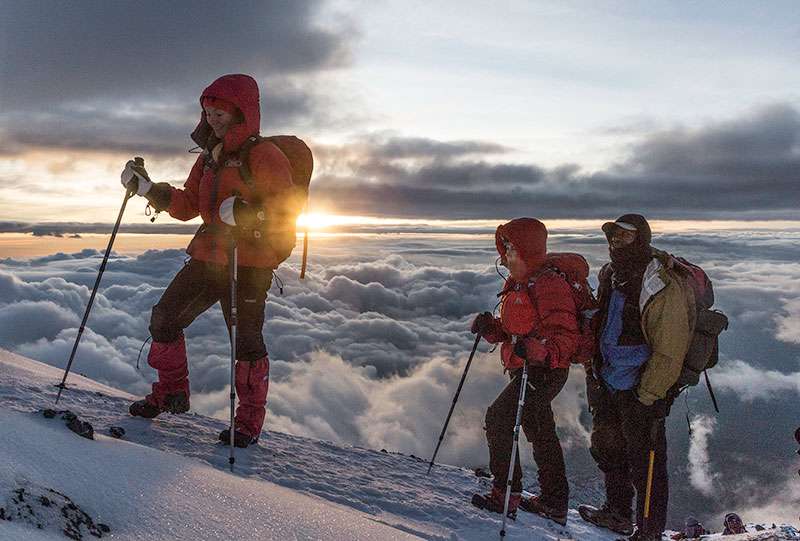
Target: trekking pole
<point x="234" y="315"/>
<point x="514" y="446"/>
<point x="455" y="399"/>
<point x="130" y="192"/>
<point x="652" y="460"/>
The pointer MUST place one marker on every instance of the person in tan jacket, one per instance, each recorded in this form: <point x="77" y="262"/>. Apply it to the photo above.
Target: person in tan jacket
<point x="644" y="328"/>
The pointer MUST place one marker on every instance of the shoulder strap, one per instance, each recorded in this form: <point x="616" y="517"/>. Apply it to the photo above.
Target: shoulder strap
<point x="244" y="158"/>
<point x="532" y="284"/>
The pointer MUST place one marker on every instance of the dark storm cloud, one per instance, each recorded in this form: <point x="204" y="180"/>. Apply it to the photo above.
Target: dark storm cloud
<point x="420" y="147"/>
<point x="113" y="75"/>
<point x="744" y="168"/>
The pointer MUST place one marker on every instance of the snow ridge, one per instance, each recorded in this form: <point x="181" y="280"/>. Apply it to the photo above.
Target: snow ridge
<point x="173" y="473"/>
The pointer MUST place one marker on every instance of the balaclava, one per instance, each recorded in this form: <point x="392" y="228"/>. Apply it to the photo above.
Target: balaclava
<point x="629" y="262"/>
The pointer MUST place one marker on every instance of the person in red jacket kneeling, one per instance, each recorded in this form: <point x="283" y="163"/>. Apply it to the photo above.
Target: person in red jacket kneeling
<point x="245" y="210"/>
<point x="537" y="309"/>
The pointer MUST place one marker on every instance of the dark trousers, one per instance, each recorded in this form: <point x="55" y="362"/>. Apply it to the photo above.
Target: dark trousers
<point x="623" y="433"/>
<point x="540" y="429"/>
<point x="197" y="287"/>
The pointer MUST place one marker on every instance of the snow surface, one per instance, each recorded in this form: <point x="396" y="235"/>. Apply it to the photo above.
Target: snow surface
<point x="168" y="478"/>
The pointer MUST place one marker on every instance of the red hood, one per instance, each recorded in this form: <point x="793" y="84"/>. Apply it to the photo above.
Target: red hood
<point x="529" y="237"/>
<point x="242" y="91"/>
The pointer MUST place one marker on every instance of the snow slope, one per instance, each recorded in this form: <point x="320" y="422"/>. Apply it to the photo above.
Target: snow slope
<point x="168" y="478"/>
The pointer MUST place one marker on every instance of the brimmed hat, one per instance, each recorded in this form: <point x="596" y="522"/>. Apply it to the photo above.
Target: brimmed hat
<point x="630" y="222"/>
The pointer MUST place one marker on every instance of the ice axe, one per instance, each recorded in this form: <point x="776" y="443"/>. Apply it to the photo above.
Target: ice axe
<point x="130" y="192"/>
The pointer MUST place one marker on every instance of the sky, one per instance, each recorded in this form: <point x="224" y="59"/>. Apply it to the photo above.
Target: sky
<point x="416" y="110"/>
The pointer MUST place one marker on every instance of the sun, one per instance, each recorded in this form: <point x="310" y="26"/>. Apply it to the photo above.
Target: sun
<point x="317" y="221"/>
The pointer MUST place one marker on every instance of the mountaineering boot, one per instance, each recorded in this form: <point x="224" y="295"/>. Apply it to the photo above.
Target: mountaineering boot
<point x="605" y="517"/>
<point x="495" y="500"/>
<point x="172" y="403"/>
<point x="637" y="536"/>
<point x="176" y="403"/>
<point x="534" y="504"/>
<point x="143" y="408"/>
<point x="240" y="439"/>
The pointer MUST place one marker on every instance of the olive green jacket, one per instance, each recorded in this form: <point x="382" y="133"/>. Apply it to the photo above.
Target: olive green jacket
<point x="668" y="318"/>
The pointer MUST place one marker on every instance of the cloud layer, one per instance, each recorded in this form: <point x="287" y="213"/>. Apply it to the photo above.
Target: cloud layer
<point x="369" y="349"/>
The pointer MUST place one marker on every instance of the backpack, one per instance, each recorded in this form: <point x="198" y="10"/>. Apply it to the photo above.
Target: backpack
<point x="302" y="164"/>
<point x="703" y="350"/>
<point x="574" y="269"/>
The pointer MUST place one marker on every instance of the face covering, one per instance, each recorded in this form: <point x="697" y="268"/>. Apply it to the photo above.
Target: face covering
<point x="629" y="263"/>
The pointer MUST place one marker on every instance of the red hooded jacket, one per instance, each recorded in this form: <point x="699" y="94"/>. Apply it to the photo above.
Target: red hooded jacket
<point x="207" y="187"/>
<point x="539" y="310"/>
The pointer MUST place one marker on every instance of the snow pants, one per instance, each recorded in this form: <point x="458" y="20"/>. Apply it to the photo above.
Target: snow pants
<point x="622" y="429"/>
<point x="197" y="287"/>
<point x="540" y="429"/>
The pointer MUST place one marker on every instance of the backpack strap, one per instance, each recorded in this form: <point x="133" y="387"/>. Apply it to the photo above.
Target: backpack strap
<point x="243" y="159"/>
<point x="529" y="290"/>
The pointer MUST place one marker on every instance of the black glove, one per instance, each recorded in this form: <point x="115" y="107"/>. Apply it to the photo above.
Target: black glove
<point x="520" y="350"/>
<point x="657" y="410"/>
<point x="481" y="323"/>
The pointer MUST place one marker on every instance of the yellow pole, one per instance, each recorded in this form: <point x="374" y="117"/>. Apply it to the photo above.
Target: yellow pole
<point x="649" y="484"/>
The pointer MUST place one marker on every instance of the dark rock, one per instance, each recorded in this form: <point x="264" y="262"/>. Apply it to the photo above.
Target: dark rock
<point x="116" y="431"/>
<point x="49" y="414"/>
<point x="103" y="527"/>
<point x="81" y="428"/>
<point x="68" y="416"/>
<point x="45" y="501"/>
<point x="480" y="472"/>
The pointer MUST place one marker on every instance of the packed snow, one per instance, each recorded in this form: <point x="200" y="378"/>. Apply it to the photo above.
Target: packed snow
<point x="168" y="479"/>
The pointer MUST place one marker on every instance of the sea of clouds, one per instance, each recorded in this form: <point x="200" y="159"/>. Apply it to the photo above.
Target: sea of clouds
<point x="369" y="348"/>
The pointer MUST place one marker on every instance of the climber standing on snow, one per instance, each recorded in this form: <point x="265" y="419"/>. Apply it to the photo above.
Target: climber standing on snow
<point x="538" y="325"/>
<point x="234" y="209"/>
<point x="645" y="322"/>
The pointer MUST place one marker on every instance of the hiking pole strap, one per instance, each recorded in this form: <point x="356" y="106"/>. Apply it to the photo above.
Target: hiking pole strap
<point x="455" y="399"/>
<point x="711" y="391"/>
<point x="128" y="195"/>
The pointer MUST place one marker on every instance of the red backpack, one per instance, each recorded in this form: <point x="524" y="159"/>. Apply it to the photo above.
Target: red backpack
<point x="575" y="271"/>
<point x="703" y="350"/>
<point x="302" y="164"/>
